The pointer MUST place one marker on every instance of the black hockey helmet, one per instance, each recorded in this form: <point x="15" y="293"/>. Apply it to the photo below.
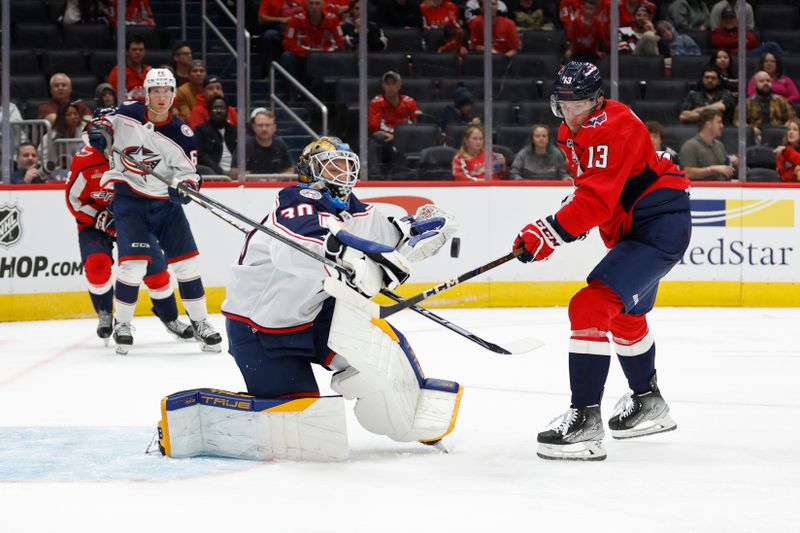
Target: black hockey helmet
<point x="576" y="81"/>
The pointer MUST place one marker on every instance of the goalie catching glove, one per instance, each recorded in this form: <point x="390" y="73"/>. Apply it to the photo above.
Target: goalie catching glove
<point x="372" y="265"/>
<point x="425" y="233"/>
<point x="539" y="239"/>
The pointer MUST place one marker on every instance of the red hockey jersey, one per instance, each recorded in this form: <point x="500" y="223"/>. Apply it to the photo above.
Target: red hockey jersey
<point x="614" y="165"/>
<point x="85" y="196"/>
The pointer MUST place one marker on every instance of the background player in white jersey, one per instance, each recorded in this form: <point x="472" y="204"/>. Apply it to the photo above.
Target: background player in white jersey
<point x="280" y="321"/>
<point x="149" y="215"/>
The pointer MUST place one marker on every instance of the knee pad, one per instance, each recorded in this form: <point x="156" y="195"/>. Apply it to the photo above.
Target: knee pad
<point x="98" y="272"/>
<point x="593" y="307"/>
<point x="227" y="424"/>
<point x="132" y="271"/>
<point x="159" y="285"/>
<point x="187" y="269"/>
<point x="383" y="374"/>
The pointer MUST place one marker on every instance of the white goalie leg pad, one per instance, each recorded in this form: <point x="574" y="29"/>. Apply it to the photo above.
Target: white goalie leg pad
<point x="225" y="424"/>
<point x="394" y="397"/>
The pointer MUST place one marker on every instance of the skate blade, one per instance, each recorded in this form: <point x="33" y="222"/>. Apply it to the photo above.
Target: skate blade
<point x="211" y="348"/>
<point x="105" y="341"/>
<point x="592" y="450"/>
<point x="650" y="427"/>
<point x="122" y="349"/>
<point x="438" y="444"/>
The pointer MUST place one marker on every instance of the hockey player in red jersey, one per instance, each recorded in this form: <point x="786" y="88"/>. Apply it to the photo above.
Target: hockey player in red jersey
<point x="640" y="204"/>
<point x="90" y="204"/>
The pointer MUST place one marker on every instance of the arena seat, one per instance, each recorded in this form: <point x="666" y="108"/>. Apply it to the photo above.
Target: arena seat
<point x="411" y="139"/>
<point x="380" y="62"/>
<point x="29" y="86"/>
<point x="666" y="89"/>
<point x="403" y="39"/>
<point x="102" y="61"/>
<point x="677" y="134"/>
<point x="431" y="64"/>
<point x="536" y="112"/>
<point x="502" y="112"/>
<point x="772" y="136"/>
<point x="448" y="86"/>
<point x="730" y="138"/>
<point x="432" y="111"/>
<point x="702" y="38"/>
<point x="688" y="67"/>
<point x="776" y="17"/>
<point x="761" y="157"/>
<point x="38" y="36"/>
<point x="473" y="65"/>
<point x="436" y="163"/>
<point x="544" y="42"/>
<point x="514" y="137"/>
<point x="24" y="62"/>
<point x="629" y="90"/>
<point x="149" y="34"/>
<point x="514" y="89"/>
<point x="28" y="11"/>
<point x="664" y="111"/>
<point x="539" y="66"/>
<point x="321" y="64"/>
<point x="763" y="175"/>
<point x="433" y="39"/>
<point x="788" y="39"/>
<point x="83" y="87"/>
<point x="86" y="36"/>
<point x="70" y="62"/>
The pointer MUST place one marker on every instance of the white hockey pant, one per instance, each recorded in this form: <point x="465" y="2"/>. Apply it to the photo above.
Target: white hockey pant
<point x="394" y="397"/>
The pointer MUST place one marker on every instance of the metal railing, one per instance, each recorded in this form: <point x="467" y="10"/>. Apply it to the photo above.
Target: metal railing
<point x="31" y="130"/>
<point x="275" y="99"/>
<point x="209" y="24"/>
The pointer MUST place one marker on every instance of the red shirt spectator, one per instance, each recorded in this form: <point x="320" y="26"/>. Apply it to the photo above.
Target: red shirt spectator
<point x="568" y="11"/>
<point x="627" y="11"/>
<point x="469" y="162"/>
<point x="135" y="69"/>
<point x="391" y="108"/>
<point x="788" y="159"/>
<point x="436" y="14"/>
<point x="302" y="35"/>
<point x="212" y="86"/>
<point x="271" y="11"/>
<point x="504" y="34"/>
<point x="726" y="36"/>
<point x="584" y="35"/>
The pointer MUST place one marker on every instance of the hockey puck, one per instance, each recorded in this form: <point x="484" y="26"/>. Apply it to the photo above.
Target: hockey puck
<point x="455" y="247"/>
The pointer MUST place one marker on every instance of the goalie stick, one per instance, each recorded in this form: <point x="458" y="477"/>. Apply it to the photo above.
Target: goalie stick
<point x="238" y="220"/>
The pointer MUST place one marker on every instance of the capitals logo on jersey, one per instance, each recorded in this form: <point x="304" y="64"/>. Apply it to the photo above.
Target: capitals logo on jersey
<point x="596" y="121"/>
<point x="143" y="155"/>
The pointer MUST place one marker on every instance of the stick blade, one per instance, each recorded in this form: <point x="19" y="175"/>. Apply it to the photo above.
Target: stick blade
<point x="527" y="344"/>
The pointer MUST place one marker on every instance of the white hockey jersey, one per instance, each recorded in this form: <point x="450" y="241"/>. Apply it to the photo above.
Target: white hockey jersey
<point x="276" y="289"/>
<point x="168" y="148"/>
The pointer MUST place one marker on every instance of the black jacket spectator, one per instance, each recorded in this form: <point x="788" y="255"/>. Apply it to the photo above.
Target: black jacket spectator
<point x="212" y="134"/>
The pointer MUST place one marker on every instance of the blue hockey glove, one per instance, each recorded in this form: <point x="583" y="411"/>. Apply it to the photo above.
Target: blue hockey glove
<point x="177" y="197"/>
<point x="100" y="133"/>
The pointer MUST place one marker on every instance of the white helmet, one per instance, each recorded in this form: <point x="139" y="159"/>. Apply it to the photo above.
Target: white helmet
<point x="158" y="77"/>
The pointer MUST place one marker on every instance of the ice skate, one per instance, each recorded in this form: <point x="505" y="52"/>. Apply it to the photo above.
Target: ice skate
<point x="637" y="415"/>
<point x="576" y="435"/>
<point x="123" y="337"/>
<point x="104" y="326"/>
<point x="207" y="336"/>
<point x="179" y="329"/>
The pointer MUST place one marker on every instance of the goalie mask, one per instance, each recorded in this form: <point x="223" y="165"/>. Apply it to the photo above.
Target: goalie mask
<point x="330" y="166"/>
<point x="158" y="77"/>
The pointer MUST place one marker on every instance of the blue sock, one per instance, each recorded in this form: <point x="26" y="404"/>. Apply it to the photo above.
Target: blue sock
<point x="103" y="302"/>
<point x="639" y="369"/>
<point x="165" y="308"/>
<point x="587" y="378"/>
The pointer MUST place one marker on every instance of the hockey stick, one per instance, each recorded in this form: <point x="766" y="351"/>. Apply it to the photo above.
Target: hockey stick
<point x="224" y="212"/>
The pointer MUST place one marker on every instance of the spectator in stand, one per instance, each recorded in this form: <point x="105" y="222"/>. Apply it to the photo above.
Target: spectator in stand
<point x="782" y="85"/>
<point x="181" y="62"/>
<point x="453" y="42"/>
<point x="69" y="125"/>
<point x="135" y="69"/>
<point x="583" y="35"/>
<point x="273" y="15"/>
<point x="76" y="11"/>
<point x="212" y="86"/>
<point x="376" y="40"/>
<point x="312" y="30"/>
<point x="137" y="12"/>
<point x="186" y="95"/>
<point x="473" y="8"/>
<point x="540" y="160"/>
<point x="716" y="15"/>
<point x="726" y="36"/>
<point x="721" y="61"/>
<point x="461" y="112"/>
<point x="712" y="96"/>
<point x="105" y="96"/>
<point x="656" y="131"/>
<point x="568" y="11"/>
<point x="468" y="163"/>
<point x="28" y="170"/>
<point x="266" y="153"/>
<point x="672" y="43"/>
<point x="703" y="156"/>
<point x="640" y="37"/>
<point x="629" y="8"/>
<point x="60" y="94"/>
<point x="788" y="153"/>
<point x="505" y="38"/>
<point x="765" y="104"/>
<point x="17" y="134"/>
<point x="538" y="15"/>
<point x="437" y="14"/>
<point x="689" y="15"/>
<point x="399" y="14"/>
<point x="216" y="141"/>
<point x="386" y="111"/>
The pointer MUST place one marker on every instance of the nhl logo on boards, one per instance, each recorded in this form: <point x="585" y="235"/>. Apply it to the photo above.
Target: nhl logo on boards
<point x="10" y="225"/>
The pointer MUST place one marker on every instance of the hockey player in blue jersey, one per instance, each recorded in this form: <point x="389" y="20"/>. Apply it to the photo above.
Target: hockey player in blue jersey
<point x="148" y="214"/>
<point x="280" y="322"/>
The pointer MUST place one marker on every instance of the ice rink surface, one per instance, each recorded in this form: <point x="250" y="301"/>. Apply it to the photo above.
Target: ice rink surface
<point x="76" y="418"/>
